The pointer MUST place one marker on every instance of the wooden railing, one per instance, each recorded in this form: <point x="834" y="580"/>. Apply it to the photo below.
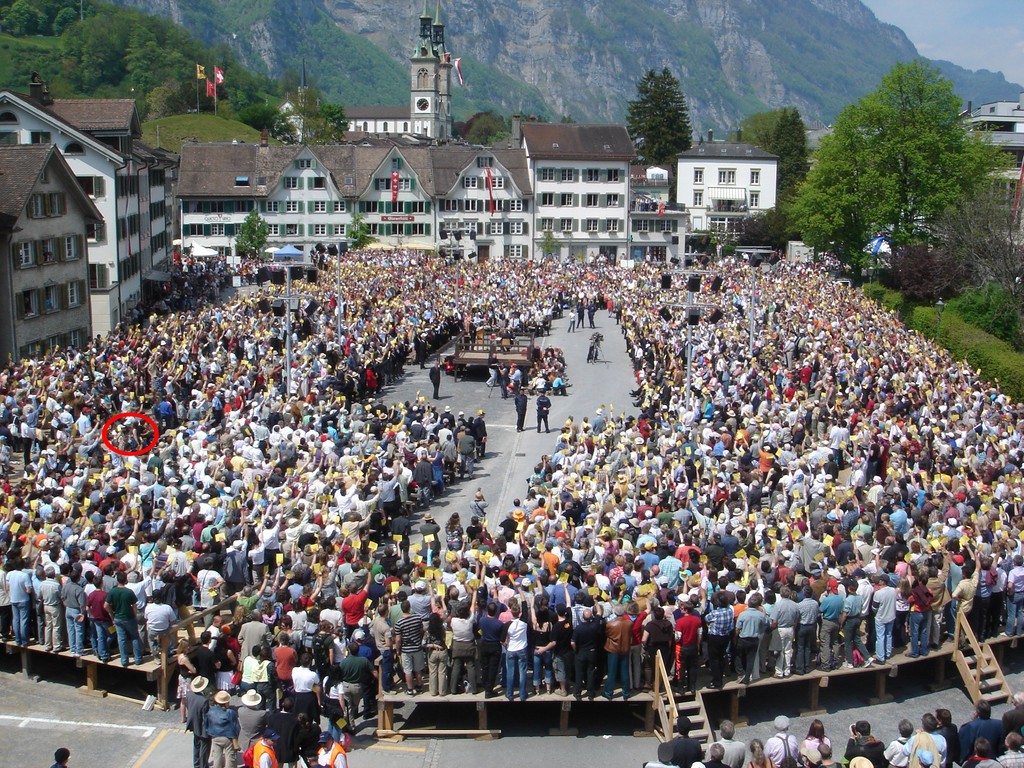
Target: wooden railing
<point x="168" y="654"/>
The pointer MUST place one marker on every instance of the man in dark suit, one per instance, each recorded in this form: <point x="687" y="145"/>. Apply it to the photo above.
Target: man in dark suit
<point x="196" y="706"/>
<point x="286" y="724"/>
<point x="435" y="378"/>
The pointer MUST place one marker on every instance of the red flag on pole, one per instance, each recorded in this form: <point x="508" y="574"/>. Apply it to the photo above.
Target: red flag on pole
<point x="394" y="188"/>
<point x="211" y="89"/>
<point x="218" y="75"/>
<point x="490" y="188"/>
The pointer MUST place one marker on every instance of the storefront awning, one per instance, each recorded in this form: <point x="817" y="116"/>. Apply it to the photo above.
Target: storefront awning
<point x="157" y="276"/>
<point x="727" y="193"/>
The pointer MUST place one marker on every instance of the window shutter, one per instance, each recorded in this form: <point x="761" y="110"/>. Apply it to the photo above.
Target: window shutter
<point x="295" y="163"/>
<point x="61" y="249"/>
<point x="388" y="207"/>
<point x="412" y="183"/>
<point x="20" y="306"/>
<point x="408" y="230"/>
<point x="99" y="186"/>
<point x="263" y="206"/>
<point x="407" y="206"/>
<point x="526" y="227"/>
<point x="330" y="229"/>
<point x="426" y="230"/>
<point x="376" y="185"/>
<point x="63" y="292"/>
<point x="426" y="207"/>
<point x="81" y="252"/>
<point x="312" y="163"/>
<point x="206" y="230"/>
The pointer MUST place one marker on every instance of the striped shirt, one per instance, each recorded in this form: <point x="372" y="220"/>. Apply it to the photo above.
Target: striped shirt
<point x="410" y="630"/>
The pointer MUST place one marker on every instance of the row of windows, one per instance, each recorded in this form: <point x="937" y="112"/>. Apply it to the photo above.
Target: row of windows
<point x="295" y="206"/>
<point x="36" y="302"/>
<point x="655" y="225"/>
<point x="130" y="266"/>
<point x="297" y="182"/>
<point x="590" y="200"/>
<point x="75" y="339"/>
<point x="577" y="225"/>
<point x="44" y="205"/>
<point x="480" y="182"/>
<point x="471" y="205"/>
<point x="217" y="206"/>
<point x="32" y="253"/>
<point x="592" y="175"/>
<point x="727" y="176"/>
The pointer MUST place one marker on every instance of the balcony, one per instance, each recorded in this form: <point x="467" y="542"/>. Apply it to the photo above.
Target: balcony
<point x="651" y="206"/>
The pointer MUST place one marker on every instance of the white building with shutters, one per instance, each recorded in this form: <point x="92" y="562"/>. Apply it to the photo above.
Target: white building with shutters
<point x="721" y="183"/>
<point x="44" y="268"/>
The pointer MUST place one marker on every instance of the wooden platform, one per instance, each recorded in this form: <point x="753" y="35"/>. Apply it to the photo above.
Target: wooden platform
<point x="540" y="698"/>
<point x="477" y="352"/>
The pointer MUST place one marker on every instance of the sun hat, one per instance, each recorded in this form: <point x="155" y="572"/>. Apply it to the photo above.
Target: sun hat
<point x="252" y="699"/>
<point x="198" y="684"/>
<point x="222" y="697"/>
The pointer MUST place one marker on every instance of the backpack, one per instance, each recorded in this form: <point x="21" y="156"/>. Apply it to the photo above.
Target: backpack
<point x="248" y="758"/>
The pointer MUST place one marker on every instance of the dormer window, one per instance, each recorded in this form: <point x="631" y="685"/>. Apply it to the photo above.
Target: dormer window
<point x="241" y="181"/>
<point x="74" y="148"/>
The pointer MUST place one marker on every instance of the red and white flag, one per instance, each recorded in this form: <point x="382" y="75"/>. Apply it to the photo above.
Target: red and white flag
<point x="394" y="188"/>
<point x="218" y="75"/>
<point x="458" y="70"/>
<point x="211" y="89"/>
<point x="490" y="188"/>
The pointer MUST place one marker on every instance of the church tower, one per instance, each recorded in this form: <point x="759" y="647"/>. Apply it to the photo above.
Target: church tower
<point x="431" y="68"/>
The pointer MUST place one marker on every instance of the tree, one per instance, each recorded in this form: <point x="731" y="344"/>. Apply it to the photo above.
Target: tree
<point x="320" y="122"/>
<point x="897" y="159"/>
<point x="549" y="244"/>
<point x="484" y="129"/>
<point x="358" y="233"/>
<point x="266" y="117"/>
<point x="980" y="235"/>
<point x="64" y="19"/>
<point x="252" y="235"/>
<point x="658" y="119"/>
<point x="781" y="132"/>
<point x="24" y="19"/>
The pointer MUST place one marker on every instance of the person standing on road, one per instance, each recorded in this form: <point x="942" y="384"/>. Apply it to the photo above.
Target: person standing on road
<point x="435" y="378"/>
<point x="222" y="729"/>
<point x="196" y="706"/>
<point x="521" y="402"/>
<point x="543" y="408"/>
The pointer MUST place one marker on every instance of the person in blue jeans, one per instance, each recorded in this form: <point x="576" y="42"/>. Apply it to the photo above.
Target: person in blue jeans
<point x="514" y="641"/>
<point x="920" y="617"/>
<point x="19" y="587"/>
<point x="121" y="605"/>
<point x="72" y="595"/>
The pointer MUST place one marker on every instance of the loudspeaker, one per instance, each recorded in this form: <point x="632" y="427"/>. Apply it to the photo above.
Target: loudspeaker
<point x="443" y="234"/>
<point x="312" y="307"/>
<point x="332" y="250"/>
<point x="276" y="344"/>
<point x="262" y="275"/>
<point x="278" y="308"/>
<point x="277" y="277"/>
<point x="716" y="284"/>
<point x="311" y="274"/>
<point x="320" y="248"/>
<point x="693" y="316"/>
<point x="665" y="315"/>
<point x="296" y="273"/>
<point x="343" y="246"/>
<point x="666" y="282"/>
<point x="675" y="239"/>
<point x="263" y="306"/>
<point x="715" y="316"/>
<point x="693" y="284"/>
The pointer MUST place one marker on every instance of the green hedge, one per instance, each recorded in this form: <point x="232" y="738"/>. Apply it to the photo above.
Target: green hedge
<point x="997" y="360"/>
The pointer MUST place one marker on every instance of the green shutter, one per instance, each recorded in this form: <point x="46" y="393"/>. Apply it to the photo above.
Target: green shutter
<point x="426" y="230"/>
<point x="330" y="230"/>
<point x="388" y="207"/>
<point x="408" y="230"/>
<point x="407" y="206"/>
<point x="426" y="207"/>
<point x="206" y="230"/>
<point x="412" y="183"/>
<point x="312" y="163"/>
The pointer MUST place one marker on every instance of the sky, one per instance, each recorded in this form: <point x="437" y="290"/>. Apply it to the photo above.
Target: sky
<point x="977" y="34"/>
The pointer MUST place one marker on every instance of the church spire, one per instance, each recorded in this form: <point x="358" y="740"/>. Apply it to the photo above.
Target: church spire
<point x="437" y="38"/>
<point x="437" y="14"/>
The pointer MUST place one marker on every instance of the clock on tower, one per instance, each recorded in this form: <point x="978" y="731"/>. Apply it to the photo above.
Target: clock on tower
<point x="423" y="105"/>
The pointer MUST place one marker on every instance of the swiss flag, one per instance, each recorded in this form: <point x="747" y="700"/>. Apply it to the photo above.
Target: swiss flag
<point x="218" y="75"/>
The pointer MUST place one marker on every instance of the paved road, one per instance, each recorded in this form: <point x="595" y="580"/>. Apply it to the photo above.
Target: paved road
<point x="511" y="456"/>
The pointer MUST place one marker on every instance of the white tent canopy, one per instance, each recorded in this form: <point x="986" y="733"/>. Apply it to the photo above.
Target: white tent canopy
<point x="198" y="249"/>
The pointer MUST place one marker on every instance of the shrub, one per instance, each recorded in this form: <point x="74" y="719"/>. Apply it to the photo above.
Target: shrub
<point x="991" y="308"/>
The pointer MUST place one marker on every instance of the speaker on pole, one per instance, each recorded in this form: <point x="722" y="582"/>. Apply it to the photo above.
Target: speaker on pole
<point x="277" y="277"/>
<point x="665" y="315"/>
<point x="311" y="274"/>
<point x="693" y="316"/>
<point x="263" y="306"/>
<point x="278" y="308"/>
<point x="262" y="275"/>
<point x="715" y="316"/>
<point x="296" y="273"/>
<point x="693" y="284"/>
<point x="343" y="247"/>
<point x="312" y="307"/>
<point x="276" y="344"/>
<point x="716" y="284"/>
<point x="666" y="282"/>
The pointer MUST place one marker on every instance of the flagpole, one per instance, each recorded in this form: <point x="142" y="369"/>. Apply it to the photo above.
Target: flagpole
<point x="215" y="90"/>
<point x="197" y="91"/>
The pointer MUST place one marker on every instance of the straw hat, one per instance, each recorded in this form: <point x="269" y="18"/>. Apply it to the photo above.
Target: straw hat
<point x="198" y="684"/>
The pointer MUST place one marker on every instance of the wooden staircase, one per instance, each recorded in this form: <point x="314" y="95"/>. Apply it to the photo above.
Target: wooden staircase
<point x="978" y="666"/>
<point x="665" y="710"/>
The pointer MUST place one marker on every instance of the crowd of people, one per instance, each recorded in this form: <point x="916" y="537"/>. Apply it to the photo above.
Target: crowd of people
<point x="830" y="488"/>
<point x="936" y="741"/>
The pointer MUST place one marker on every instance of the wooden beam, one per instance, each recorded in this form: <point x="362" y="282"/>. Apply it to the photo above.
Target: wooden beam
<point x="880" y="697"/>
<point x="431" y="732"/>
<point x="941" y="682"/>
<point x="563" y="728"/>
<point x="813" y="691"/>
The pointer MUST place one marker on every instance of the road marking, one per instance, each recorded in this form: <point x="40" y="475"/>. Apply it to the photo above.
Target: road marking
<point x="388" y="748"/>
<point x="144" y="731"/>
<point x="151" y="748"/>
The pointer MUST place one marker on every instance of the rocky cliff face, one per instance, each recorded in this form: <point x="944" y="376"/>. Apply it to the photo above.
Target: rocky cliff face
<point x="579" y="57"/>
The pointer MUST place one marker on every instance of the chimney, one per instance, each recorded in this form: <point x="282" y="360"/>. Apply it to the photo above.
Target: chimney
<point x="739" y="135"/>
<point x="517" y="131"/>
<point x="970" y="107"/>
<point x="711" y="135"/>
<point x="37" y="90"/>
<point x="264" y="138"/>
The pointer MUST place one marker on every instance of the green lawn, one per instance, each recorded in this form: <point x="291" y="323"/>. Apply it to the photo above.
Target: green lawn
<point x="179" y="129"/>
<point x="17" y="54"/>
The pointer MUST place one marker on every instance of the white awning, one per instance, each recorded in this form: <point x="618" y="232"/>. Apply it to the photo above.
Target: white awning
<point x="727" y="193"/>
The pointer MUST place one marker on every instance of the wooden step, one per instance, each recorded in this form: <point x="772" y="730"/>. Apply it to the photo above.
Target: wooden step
<point x="996" y="697"/>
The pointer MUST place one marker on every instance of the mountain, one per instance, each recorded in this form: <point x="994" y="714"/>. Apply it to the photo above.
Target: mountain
<point x="579" y="58"/>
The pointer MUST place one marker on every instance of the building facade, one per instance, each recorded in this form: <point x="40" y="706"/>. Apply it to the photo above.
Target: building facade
<point x="1002" y="124"/>
<point x="580" y="175"/>
<point x="721" y="183"/>
<point x="128" y="182"/>
<point x="45" y="216"/>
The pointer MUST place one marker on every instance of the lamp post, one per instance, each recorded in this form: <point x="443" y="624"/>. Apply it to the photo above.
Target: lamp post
<point x="939" y="306"/>
<point x="342" y="249"/>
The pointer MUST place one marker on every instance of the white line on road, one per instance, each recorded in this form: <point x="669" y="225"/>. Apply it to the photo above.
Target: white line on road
<point x="143" y="731"/>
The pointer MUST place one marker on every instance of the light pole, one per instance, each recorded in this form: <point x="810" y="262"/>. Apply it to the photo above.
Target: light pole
<point x="939" y="306"/>
<point x="693" y="309"/>
<point x="340" y="250"/>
